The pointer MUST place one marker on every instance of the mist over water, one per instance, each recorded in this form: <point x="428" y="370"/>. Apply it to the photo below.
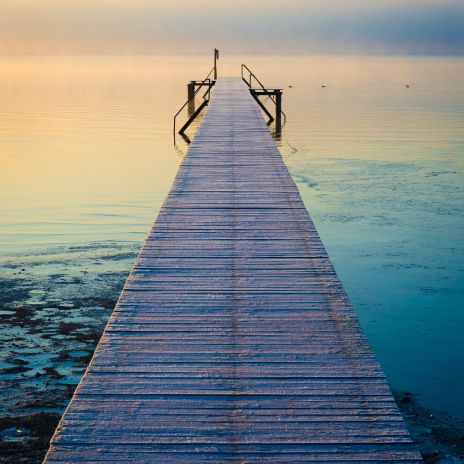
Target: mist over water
<point x="262" y="26"/>
<point x="88" y="157"/>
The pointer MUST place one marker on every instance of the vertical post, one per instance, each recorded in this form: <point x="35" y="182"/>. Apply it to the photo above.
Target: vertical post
<point x="216" y="57"/>
<point x="190" y="97"/>
<point x="278" y="94"/>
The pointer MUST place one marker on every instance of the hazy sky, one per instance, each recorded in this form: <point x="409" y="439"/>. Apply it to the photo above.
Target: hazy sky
<point x="235" y="26"/>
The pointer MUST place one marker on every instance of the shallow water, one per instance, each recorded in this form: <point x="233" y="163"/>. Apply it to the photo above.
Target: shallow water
<point x="381" y="169"/>
<point x="88" y="157"/>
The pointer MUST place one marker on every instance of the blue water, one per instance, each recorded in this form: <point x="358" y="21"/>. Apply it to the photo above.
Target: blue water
<point x="88" y="154"/>
<point x="381" y="170"/>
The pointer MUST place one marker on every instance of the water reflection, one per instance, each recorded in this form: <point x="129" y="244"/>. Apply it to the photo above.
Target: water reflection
<point x="87" y="159"/>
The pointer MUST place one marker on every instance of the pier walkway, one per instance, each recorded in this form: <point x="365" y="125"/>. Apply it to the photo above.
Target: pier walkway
<point x="233" y="339"/>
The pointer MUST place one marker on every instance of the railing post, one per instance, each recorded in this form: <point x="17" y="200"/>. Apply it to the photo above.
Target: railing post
<point x="190" y="97"/>
<point x="278" y="94"/>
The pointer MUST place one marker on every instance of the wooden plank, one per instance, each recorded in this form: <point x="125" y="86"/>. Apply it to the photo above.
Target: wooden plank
<point x="233" y="339"/>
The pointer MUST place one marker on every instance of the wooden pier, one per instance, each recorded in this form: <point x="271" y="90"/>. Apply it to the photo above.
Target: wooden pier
<point x="233" y="339"/>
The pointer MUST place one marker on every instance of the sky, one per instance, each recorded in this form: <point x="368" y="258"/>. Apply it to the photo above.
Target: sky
<point x="234" y="26"/>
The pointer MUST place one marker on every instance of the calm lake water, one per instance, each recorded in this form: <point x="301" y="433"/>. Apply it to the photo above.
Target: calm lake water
<point x="87" y="158"/>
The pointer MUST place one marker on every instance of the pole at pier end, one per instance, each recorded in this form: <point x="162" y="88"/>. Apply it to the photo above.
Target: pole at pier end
<point x="216" y="57"/>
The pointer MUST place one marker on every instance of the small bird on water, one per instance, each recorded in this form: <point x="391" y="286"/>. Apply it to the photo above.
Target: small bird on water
<point x="407" y="86"/>
<point x="323" y="86"/>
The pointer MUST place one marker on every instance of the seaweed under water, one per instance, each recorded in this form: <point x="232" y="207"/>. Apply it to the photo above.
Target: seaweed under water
<point x="55" y="304"/>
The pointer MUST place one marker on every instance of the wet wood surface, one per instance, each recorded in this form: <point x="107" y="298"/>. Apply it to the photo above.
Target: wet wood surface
<point x="233" y="339"/>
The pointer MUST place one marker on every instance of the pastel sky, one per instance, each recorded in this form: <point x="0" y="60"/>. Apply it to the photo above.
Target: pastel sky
<point x="234" y="26"/>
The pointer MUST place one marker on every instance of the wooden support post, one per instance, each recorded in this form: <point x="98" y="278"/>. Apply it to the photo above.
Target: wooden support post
<point x="278" y="95"/>
<point x="190" y="97"/>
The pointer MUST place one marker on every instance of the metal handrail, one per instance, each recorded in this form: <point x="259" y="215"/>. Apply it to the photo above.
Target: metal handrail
<point x="208" y="92"/>
<point x="252" y="74"/>
<point x="249" y="84"/>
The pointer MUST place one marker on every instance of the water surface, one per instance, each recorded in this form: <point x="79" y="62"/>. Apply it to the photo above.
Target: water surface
<point x="88" y="157"/>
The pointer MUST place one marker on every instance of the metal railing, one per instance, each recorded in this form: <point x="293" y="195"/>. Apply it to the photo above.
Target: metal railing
<point x="251" y="78"/>
<point x="206" y="97"/>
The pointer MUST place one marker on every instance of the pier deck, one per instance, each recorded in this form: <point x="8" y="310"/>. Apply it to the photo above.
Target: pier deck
<point x="233" y="339"/>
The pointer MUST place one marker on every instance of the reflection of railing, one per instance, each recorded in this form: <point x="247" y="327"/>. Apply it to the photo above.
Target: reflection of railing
<point x="274" y="94"/>
<point x="207" y="81"/>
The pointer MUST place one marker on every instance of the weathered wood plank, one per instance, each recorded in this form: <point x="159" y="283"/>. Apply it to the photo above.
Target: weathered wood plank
<point x="233" y="339"/>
